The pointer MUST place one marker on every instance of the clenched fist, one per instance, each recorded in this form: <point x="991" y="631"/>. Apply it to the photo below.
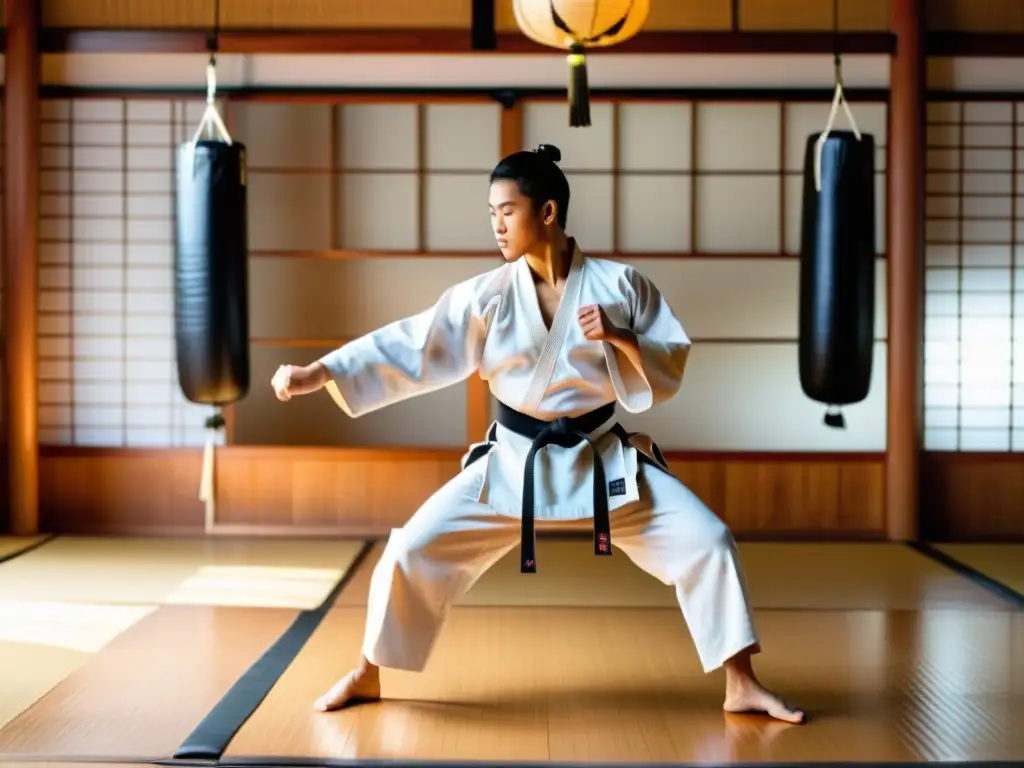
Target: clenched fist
<point x="292" y="380"/>
<point x="595" y="324"/>
<point x="282" y="382"/>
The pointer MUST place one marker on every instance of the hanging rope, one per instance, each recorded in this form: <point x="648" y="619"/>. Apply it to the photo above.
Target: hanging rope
<point x="212" y="126"/>
<point x="839" y="98"/>
<point x="211" y="123"/>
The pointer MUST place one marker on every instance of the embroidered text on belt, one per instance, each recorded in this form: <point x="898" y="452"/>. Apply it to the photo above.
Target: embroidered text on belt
<point x="566" y="433"/>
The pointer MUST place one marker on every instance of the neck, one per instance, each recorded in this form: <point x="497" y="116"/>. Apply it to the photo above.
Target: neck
<point x="550" y="261"/>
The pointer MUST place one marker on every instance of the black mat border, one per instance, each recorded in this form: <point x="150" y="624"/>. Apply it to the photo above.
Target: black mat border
<point x="68" y="760"/>
<point x="313" y="762"/>
<point x="293" y="762"/>
<point x="30" y="548"/>
<point x="211" y="737"/>
<point x="976" y="577"/>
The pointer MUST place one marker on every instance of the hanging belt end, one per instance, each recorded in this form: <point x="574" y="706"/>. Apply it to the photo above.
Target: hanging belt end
<point x="529" y="565"/>
<point x="602" y="545"/>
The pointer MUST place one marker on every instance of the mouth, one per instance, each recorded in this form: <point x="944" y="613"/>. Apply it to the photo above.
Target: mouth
<point x="502" y="243"/>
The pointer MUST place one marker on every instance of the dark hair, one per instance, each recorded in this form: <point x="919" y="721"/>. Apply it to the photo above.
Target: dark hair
<point x="538" y="177"/>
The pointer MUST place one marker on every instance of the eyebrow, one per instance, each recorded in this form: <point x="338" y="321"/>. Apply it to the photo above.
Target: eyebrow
<point x="502" y="204"/>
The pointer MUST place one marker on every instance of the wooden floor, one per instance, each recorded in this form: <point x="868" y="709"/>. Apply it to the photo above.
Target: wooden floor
<point x="898" y="657"/>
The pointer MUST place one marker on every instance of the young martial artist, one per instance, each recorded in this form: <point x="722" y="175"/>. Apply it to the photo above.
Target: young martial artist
<point x="561" y="339"/>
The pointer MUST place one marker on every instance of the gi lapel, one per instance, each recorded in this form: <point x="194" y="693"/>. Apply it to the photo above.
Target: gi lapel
<point x="554" y="339"/>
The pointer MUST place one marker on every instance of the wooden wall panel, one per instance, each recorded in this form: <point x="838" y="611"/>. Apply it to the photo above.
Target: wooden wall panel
<point x="828" y="495"/>
<point x="359" y="492"/>
<point x="128" y="13"/>
<point x="707" y="15"/>
<point x="257" y="14"/>
<point x="975" y="15"/>
<point x="354" y="491"/>
<point x="999" y="16"/>
<point x="972" y="496"/>
<point x="813" y="15"/>
<point x="120" y="491"/>
<point x="350" y="14"/>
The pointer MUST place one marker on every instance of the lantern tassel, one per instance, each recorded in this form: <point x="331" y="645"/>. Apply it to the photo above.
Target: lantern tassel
<point x="579" y="90"/>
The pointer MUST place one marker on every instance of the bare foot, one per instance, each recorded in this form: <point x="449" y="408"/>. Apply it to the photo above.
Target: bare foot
<point x="360" y="685"/>
<point x="751" y="696"/>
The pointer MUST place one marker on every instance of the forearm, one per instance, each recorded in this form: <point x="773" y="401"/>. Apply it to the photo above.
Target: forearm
<point x="310" y="378"/>
<point x="626" y="342"/>
<point x="413" y="356"/>
<point x="644" y="372"/>
<point x="646" y="359"/>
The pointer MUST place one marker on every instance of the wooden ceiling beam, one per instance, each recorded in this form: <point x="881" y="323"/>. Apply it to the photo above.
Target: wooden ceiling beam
<point x="460" y="41"/>
<point x="440" y="41"/>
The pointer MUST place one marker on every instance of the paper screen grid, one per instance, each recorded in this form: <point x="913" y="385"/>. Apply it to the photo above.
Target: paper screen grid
<point x="974" y="292"/>
<point x="681" y="179"/>
<point x="106" y="330"/>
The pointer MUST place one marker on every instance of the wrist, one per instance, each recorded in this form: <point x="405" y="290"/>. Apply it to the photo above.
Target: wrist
<point x="619" y="335"/>
<point x="320" y="374"/>
<point x="314" y="376"/>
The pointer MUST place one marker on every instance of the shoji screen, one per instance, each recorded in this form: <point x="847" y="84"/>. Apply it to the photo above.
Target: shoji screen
<point x="106" y="354"/>
<point x="361" y="214"/>
<point x="974" y="325"/>
<point x="364" y="213"/>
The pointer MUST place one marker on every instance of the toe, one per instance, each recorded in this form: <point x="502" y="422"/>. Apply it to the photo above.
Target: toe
<point x="336" y="697"/>
<point x="789" y="715"/>
<point x="780" y="710"/>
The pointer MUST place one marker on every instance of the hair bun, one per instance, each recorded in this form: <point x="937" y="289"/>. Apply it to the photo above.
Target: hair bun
<point x="550" y="151"/>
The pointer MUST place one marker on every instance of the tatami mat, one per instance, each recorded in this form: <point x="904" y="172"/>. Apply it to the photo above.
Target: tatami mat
<point x="140" y="696"/>
<point x="1002" y="562"/>
<point x="823" y="576"/>
<point x="12" y="545"/>
<point x="596" y="685"/>
<point x="42" y="643"/>
<point x="271" y="573"/>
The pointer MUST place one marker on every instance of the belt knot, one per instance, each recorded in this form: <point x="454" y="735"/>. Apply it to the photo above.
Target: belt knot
<point x="561" y="427"/>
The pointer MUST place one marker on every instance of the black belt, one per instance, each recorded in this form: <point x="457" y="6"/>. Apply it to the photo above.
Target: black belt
<point x="564" y="432"/>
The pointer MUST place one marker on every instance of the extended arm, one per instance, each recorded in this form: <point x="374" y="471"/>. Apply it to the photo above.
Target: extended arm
<point x="419" y="354"/>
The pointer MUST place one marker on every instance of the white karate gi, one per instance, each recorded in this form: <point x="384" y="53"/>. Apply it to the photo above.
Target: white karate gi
<point x="492" y="324"/>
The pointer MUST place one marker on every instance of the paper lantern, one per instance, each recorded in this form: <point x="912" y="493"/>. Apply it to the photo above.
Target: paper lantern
<point x="574" y="26"/>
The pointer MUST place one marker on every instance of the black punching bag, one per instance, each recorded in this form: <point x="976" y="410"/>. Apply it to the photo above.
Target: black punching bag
<point x="837" y="271"/>
<point x="211" y="273"/>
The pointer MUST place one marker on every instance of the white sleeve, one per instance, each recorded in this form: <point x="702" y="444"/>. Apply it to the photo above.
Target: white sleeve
<point x="414" y="356"/>
<point x="664" y="349"/>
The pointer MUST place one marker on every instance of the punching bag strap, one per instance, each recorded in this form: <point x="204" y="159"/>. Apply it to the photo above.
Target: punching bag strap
<point x="207" y="483"/>
<point x="211" y="120"/>
<point x="838" y="98"/>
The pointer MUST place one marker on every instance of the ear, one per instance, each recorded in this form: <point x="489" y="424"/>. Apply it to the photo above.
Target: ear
<point x="549" y="213"/>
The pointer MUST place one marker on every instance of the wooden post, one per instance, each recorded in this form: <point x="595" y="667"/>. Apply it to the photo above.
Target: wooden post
<point x="21" y="201"/>
<point x="906" y="272"/>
